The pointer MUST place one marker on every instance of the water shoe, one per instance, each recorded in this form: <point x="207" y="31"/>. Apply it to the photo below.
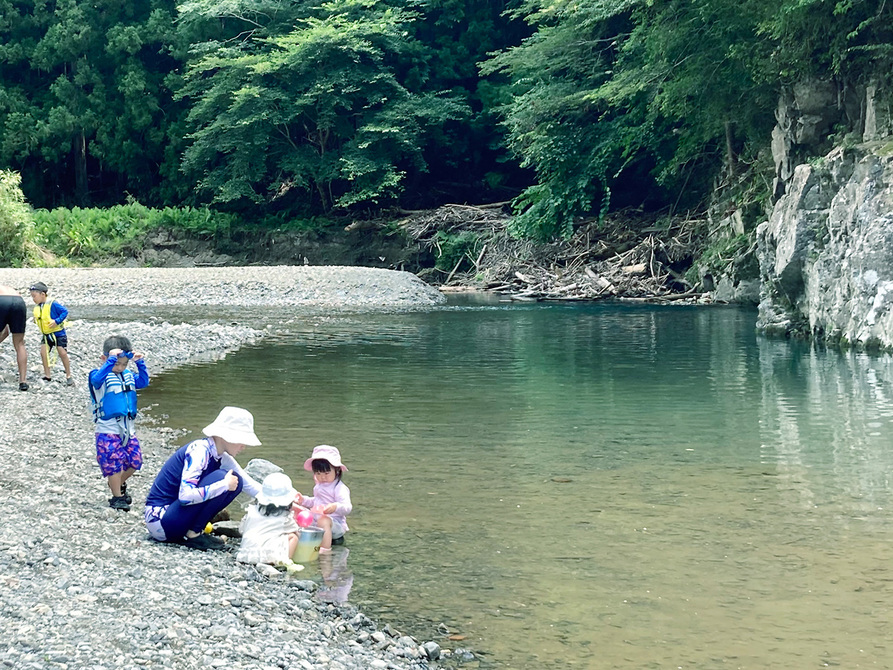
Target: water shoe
<point x="203" y="542"/>
<point x="119" y="502"/>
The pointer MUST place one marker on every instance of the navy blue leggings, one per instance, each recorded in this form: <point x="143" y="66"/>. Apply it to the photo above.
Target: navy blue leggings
<point x="180" y="518"/>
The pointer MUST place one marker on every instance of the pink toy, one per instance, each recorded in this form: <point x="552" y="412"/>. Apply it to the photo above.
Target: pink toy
<point x="304" y="518"/>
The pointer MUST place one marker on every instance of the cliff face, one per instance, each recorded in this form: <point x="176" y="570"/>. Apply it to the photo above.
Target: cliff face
<point x="826" y="253"/>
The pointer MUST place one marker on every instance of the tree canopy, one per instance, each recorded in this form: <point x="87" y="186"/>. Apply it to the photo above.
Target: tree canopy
<point x="322" y="109"/>
<point x="568" y="108"/>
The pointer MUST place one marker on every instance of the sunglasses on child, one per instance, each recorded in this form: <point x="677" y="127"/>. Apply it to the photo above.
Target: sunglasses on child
<point x="126" y="354"/>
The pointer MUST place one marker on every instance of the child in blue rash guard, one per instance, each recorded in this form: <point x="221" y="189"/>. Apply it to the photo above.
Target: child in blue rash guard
<point x="113" y="392"/>
<point x="50" y="319"/>
<point x="201" y="479"/>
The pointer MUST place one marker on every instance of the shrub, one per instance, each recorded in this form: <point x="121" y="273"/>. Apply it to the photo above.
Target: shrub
<point x="454" y="248"/>
<point x="15" y="220"/>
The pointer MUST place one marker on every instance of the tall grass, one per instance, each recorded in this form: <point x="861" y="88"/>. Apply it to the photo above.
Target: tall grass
<point x="99" y="234"/>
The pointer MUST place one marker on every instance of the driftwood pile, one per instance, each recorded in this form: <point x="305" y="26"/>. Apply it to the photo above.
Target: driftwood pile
<point x="608" y="260"/>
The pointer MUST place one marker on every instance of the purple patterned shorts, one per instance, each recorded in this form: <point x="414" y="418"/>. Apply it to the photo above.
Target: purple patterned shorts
<point x="114" y="458"/>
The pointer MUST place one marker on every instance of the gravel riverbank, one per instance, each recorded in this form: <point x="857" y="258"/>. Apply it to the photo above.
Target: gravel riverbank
<point x="83" y="586"/>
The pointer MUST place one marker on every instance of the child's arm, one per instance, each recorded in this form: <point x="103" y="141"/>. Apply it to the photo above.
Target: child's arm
<point x="342" y="502"/>
<point x="97" y="377"/>
<point x="58" y="313"/>
<point x="340" y="505"/>
<point x="142" y="372"/>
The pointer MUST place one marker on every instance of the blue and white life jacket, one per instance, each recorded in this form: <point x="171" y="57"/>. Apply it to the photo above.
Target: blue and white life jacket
<point x="116" y="398"/>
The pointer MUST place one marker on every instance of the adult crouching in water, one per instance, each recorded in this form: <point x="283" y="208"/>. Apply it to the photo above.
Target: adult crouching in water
<point x="13" y="316"/>
<point x="201" y="479"/>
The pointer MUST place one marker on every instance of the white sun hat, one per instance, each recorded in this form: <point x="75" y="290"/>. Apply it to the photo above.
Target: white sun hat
<point x="235" y="425"/>
<point x="277" y="490"/>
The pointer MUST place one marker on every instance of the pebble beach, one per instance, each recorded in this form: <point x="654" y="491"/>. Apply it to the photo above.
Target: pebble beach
<point x="83" y="586"/>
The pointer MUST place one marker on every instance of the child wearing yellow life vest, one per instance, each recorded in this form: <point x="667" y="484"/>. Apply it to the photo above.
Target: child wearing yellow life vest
<point x="50" y="318"/>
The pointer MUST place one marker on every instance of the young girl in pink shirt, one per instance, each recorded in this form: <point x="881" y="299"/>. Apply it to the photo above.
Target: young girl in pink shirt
<point x="330" y="502"/>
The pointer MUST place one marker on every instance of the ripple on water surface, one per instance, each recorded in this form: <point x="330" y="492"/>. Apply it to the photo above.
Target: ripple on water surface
<point x="589" y="486"/>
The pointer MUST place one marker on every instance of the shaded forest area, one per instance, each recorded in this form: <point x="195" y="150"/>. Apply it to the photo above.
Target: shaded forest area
<point x="615" y="134"/>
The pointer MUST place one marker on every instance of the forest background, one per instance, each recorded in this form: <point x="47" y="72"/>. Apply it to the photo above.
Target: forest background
<point x="226" y="120"/>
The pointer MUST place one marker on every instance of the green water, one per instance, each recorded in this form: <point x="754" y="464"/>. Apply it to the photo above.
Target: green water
<point x="588" y="486"/>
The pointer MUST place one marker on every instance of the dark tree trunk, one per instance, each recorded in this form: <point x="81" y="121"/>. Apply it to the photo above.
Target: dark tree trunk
<point x="731" y="159"/>
<point x="79" y="151"/>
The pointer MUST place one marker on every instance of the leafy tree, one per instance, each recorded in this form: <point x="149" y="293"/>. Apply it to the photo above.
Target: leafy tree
<point x="608" y="88"/>
<point x="849" y="39"/>
<point x="553" y="121"/>
<point x="15" y="220"/>
<point x="467" y="160"/>
<point x="83" y="106"/>
<point x="307" y="106"/>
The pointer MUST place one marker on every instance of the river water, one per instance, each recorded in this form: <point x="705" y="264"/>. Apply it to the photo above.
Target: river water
<point x="590" y="486"/>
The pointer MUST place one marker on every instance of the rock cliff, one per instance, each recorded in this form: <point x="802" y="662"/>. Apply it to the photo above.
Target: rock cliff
<point x="826" y="253"/>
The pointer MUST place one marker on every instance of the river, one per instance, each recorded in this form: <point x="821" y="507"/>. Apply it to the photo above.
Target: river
<point x="590" y="486"/>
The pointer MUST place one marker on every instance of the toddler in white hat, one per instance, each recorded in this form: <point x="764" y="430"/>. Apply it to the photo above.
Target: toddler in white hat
<point x="269" y="532"/>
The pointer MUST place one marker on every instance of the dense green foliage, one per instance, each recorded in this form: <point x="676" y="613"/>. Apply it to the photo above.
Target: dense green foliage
<point x="655" y="99"/>
<point x="84" y="111"/>
<point x="88" y="235"/>
<point x="15" y="220"/>
<point x="304" y="108"/>
<point x="324" y="115"/>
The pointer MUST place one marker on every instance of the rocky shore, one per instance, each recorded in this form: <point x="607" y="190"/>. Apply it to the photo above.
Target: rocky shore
<point x="83" y="586"/>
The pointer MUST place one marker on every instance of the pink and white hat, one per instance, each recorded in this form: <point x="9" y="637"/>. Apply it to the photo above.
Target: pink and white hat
<point x="326" y="453"/>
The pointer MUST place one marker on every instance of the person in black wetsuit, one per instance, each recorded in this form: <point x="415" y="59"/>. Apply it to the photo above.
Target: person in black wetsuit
<point x="13" y="316"/>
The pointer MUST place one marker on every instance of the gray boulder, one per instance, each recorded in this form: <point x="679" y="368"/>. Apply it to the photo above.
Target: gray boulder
<point x="826" y="253"/>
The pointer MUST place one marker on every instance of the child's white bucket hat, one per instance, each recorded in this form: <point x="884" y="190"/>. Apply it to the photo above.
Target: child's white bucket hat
<point x="326" y="453"/>
<point x="235" y="425"/>
<point x="277" y="490"/>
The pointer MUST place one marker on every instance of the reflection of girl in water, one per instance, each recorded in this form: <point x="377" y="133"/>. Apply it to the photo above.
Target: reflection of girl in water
<point x="337" y="578"/>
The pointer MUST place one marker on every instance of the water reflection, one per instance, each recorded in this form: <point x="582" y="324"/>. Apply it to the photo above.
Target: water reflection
<point x="826" y="413"/>
<point x="337" y="578"/>
<point x="589" y="486"/>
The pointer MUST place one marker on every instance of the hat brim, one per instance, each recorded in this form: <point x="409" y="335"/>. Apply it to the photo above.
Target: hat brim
<point x="308" y="464"/>
<point x="278" y="501"/>
<point x="245" y="437"/>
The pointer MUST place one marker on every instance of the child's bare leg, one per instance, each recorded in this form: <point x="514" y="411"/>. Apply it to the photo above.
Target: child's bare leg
<point x="115" y="481"/>
<point x="45" y="359"/>
<point x="66" y="362"/>
<point x="292" y="544"/>
<point x="325" y="523"/>
<point x="126" y="474"/>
